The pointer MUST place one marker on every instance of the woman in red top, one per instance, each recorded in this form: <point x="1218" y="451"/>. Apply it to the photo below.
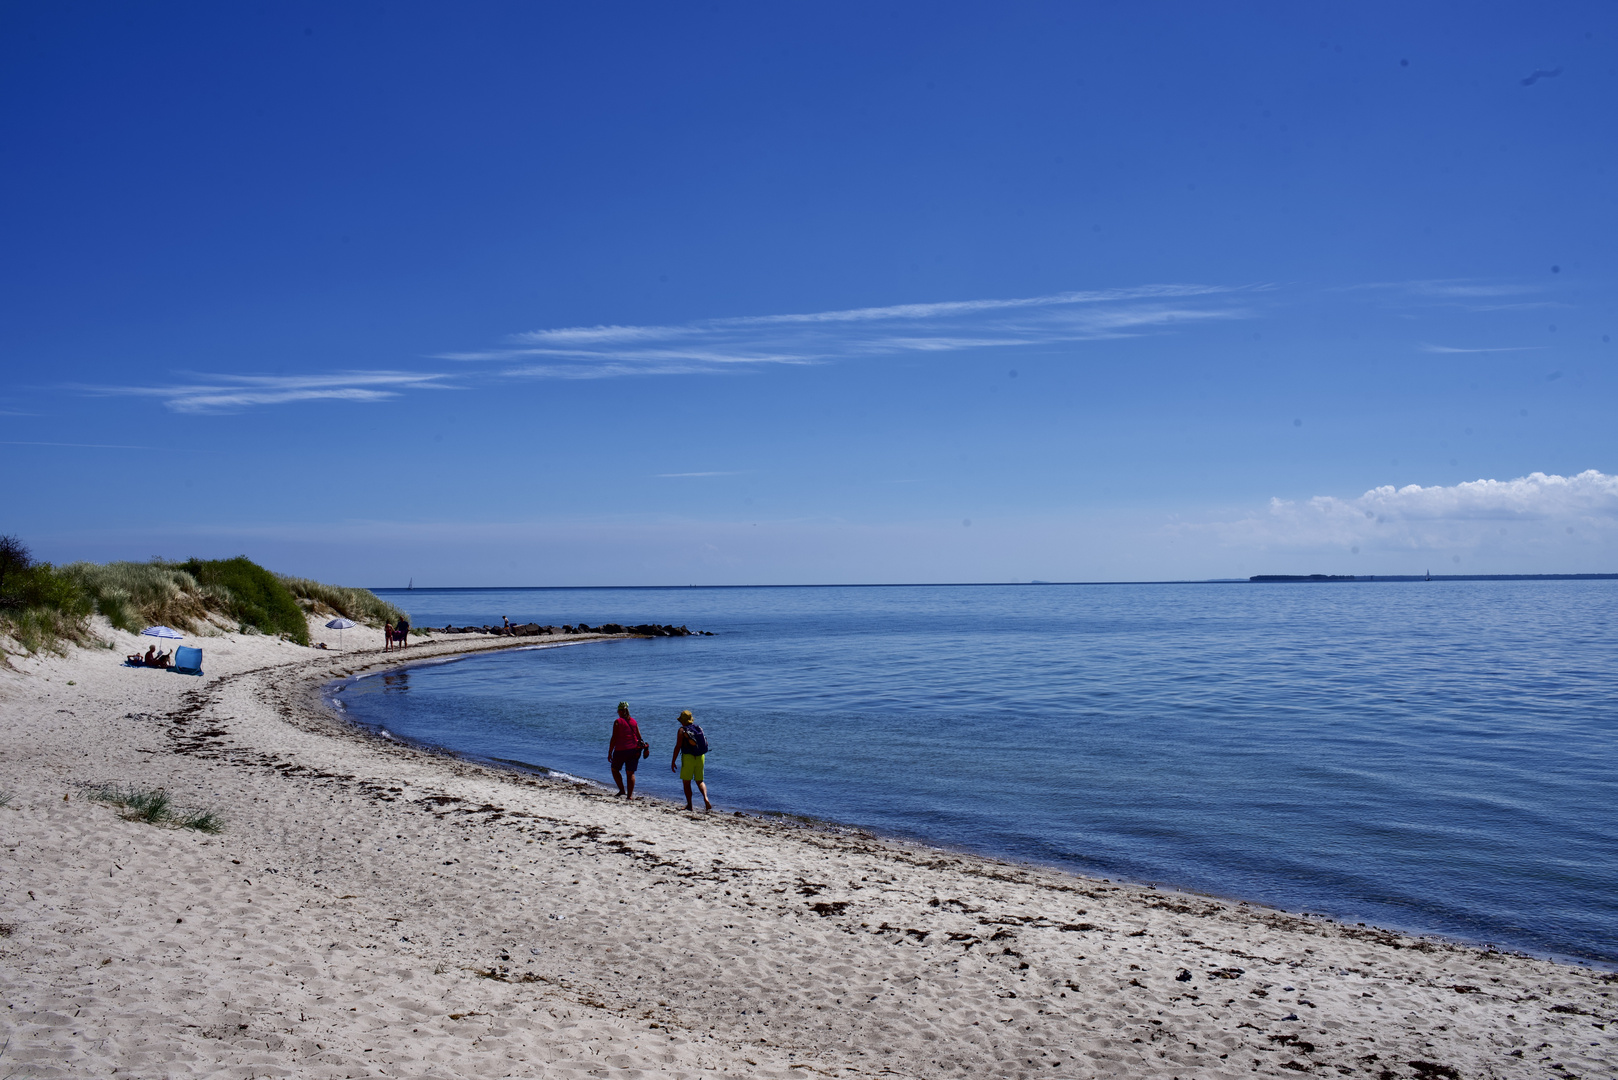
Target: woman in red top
<point x="624" y="749"/>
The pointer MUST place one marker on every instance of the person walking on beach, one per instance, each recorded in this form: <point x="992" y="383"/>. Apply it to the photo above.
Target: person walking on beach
<point x="690" y="751"/>
<point x="402" y="632"/>
<point x="624" y="749"/>
<point x="387" y="637"/>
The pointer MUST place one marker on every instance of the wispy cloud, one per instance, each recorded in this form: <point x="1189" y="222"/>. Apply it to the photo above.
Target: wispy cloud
<point x="713" y="345"/>
<point x="230" y="393"/>
<point x="1486" y="349"/>
<point x="1465" y="294"/>
<point x="77" y="445"/>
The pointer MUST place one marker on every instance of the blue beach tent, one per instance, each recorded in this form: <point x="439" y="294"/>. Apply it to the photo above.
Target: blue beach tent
<point x="187" y="661"/>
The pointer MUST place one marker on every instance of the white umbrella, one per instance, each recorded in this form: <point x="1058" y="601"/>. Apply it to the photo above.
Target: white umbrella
<point x="340" y="624"/>
<point x="164" y="632"/>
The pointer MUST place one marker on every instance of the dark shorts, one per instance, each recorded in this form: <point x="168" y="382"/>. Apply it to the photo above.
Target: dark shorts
<point x="627" y="759"/>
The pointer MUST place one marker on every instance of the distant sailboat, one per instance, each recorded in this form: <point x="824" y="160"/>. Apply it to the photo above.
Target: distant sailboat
<point x="412" y="584"/>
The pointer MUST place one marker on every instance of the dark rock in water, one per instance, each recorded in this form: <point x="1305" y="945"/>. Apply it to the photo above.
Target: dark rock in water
<point x="536" y="630"/>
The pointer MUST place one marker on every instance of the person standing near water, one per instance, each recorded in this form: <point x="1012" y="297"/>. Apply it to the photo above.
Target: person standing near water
<point x="690" y="752"/>
<point x="402" y="632"/>
<point x="624" y="749"/>
<point x="387" y="637"/>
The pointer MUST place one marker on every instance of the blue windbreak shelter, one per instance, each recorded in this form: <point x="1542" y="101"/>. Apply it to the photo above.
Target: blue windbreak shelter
<point x="188" y="661"/>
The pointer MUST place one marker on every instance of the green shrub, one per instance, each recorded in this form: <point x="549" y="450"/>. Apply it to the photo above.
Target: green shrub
<point x="40" y="606"/>
<point x="257" y="597"/>
<point x="360" y="605"/>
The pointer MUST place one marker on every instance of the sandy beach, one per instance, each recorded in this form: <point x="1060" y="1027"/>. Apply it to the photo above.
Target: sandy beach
<point x="375" y="910"/>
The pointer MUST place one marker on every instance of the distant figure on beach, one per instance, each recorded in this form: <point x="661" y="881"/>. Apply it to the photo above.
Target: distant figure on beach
<point x="402" y="632"/>
<point x="387" y="637"/>
<point x="624" y="749"/>
<point x="507" y="621"/>
<point x="690" y="752"/>
<point x="146" y="660"/>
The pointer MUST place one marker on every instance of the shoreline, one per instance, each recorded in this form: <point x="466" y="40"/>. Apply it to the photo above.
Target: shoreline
<point x="900" y="838"/>
<point x="378" y="909"/>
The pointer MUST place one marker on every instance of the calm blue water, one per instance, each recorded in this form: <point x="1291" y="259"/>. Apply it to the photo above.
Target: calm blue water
<point x="1438" y="757"/>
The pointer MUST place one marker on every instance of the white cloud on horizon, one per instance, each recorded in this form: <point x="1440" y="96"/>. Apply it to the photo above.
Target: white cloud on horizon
<point x="1539" y="516"/>
<point x="714" y="345"/>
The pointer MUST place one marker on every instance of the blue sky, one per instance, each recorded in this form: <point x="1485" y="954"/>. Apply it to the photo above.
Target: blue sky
<point x="730" y="293"/>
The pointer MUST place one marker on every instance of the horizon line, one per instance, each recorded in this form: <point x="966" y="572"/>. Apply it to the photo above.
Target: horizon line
<point x="1301" y="579"/>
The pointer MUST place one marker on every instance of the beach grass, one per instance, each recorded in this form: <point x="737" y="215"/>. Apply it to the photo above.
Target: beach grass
<point x="205" y="821"/>
<point x="187" y="595"/>
<point x="46" y="608"/>
<point x="135" y="595"/>
<point x="360" y="605"/>
<point x="155" y="807"/>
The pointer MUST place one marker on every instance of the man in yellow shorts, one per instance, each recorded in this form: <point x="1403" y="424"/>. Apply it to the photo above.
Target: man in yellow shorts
<point x="690" y="750"/>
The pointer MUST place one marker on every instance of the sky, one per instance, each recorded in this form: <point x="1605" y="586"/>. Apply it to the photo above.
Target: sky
<point x="668" y="294"/>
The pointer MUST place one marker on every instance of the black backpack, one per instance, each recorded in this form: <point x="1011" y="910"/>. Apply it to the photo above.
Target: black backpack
<point x="696" y="741"/>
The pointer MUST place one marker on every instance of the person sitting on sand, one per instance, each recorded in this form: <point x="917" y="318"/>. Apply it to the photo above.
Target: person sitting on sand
<point x="690" y="752"/>
<point x="161" y="660"/>
<point x="624" y="749"/>
<point x="141" y="661"/>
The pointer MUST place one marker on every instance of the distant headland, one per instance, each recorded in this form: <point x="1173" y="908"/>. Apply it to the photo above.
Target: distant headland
<point x="1273" y="579"/>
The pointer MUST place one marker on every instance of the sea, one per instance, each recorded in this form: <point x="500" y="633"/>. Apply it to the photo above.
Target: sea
<point x="1433" y="757"/>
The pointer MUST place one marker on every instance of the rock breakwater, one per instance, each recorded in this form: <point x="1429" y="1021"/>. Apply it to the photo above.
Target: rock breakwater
<point x="536" y="630"/>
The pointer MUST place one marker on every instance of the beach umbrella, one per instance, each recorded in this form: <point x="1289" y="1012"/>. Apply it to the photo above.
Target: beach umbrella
<point x="167" y="633"/>
<point x="340" y="624"/>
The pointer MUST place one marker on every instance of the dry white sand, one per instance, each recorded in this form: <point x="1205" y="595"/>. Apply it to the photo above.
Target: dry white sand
<point x="373" y="910"/>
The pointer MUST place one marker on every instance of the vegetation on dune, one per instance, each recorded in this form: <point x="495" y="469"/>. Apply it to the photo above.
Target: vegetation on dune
<point x="360" y="605"/>
<point x="47" y="607"/>
<point x="155" y="808"/>
<point x="257" y="598"/>
<point x="136" y="595"/>
<point x="184" y="595"/>
<point x="40" y="606"/>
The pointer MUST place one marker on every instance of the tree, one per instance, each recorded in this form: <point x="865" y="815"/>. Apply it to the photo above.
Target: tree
<point x="15" y="559"/>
